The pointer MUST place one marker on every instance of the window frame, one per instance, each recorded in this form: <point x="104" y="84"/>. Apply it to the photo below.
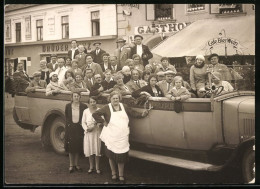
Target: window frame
<point x="20" y="32"/>
<point x="95" y="23"/>
<point x="65" y="28"/>
<point x="41" y="30"/>
<point x="156" y="12"/>
<point x="195" y="10"/>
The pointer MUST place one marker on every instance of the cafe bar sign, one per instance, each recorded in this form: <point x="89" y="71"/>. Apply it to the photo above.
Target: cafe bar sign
<point x="160" y="28"/>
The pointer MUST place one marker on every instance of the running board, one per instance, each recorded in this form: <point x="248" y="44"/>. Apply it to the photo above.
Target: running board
<point x="186" y="164"/>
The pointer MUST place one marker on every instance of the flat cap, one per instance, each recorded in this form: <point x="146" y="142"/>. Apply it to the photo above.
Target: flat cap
<point x="210" y="56"/>
<point x="97" y="42"/>
<point x="120" y="40"/>
<point x="53" y="73"/>
<point x="160" y="73"/>
<point x="35" y="74"/>
<point x="138" y="36"/>
<point x="169" y="72"/>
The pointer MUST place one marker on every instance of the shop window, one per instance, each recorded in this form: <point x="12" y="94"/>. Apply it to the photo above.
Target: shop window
<point x="39" y="28"/>
<point x="230" y="8"/>
<point x="18" y="32"/>
<point x="95" y="23"/>
<point x="163" y="11"/>
<point x="65" y="26"/>
<point x="195" y="7"/>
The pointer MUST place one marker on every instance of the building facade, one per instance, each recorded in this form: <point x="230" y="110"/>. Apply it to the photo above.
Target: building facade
<point x="158" y="21"/>
<point x="34" y="32"/>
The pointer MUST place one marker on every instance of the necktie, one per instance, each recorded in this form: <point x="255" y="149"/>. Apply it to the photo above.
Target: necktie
<point x="97" y="52"/>
<point x="90" y="81"/>
<point x="168" y="87"/>
<point x="137" y="83"/>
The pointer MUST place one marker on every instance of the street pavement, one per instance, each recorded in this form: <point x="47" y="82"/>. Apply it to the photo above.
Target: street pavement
<point x="27" y="162"/>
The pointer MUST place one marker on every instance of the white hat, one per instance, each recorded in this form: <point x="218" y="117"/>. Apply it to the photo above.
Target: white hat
<point x="52" y="73"/>
<point x="201" y="57"/>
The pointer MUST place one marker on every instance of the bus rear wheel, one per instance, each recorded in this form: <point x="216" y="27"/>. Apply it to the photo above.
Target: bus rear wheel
<point x="57" y="135"/>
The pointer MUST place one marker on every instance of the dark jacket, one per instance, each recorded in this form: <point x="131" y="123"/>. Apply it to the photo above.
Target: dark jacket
<point x="103" y="68"/>
<point x="68" y="113"/>
<point x="94" y="89"/>
<point x="72" y="131"/>
<point x="148" y="89"/>
<point x="50" y="66"/>
<point x="108" y="85"/>
<point x="118" y="68"/>
<point x="21" y="81"/>
<point x="97" y="58"/>
<point x="70" y="53"/>
<point x="146" y="51"/>
<point x="47" y="76"/>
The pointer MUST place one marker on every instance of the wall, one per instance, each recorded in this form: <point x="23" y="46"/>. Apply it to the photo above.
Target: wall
<point x="79" y="20"/>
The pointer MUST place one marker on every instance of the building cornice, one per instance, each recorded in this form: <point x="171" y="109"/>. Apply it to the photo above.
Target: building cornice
<point x="95" y="38"/>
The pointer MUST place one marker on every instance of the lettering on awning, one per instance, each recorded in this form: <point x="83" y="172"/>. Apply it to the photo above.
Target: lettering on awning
<point x="160" y="28"/>
<point x="226" y="42"/>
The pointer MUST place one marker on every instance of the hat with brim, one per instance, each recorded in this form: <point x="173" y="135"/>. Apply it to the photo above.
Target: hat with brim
<point x="212" y="55"/>
<point x="97" y="42"/>
<point x="120" y="40"/>
<point x="53" y="55"/>
<point x="161" y="73"/>
<point x="138" y="36"/>
<point x="36" y="74"/>
<point x="169" y="72"/>
<point x="53" y="73"/>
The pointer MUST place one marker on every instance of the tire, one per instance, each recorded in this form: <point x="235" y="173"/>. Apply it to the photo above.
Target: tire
<point x="57" y="135"/>
<point x="248" y="166"/>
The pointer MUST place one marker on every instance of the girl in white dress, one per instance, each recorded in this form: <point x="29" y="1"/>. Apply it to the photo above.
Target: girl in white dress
<point x="92" y="143"/>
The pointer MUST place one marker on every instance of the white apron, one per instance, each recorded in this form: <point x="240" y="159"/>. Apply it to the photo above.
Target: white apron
<point x="116" y="134"/>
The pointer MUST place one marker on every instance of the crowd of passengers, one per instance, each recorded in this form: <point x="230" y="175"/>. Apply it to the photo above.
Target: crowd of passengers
<point x="126" y="72"/>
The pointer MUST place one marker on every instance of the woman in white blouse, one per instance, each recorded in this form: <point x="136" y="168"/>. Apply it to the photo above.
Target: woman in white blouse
<point x="92" y="143"/>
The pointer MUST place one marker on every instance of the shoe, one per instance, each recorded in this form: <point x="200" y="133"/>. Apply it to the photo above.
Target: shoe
<point x="121" y="180"/>
<point x="71" y="169"/>
<point x="90" y="171"/>
<point x="78" y="168"/>
<point x="114" y="177"/>
<point x="98" y="172"/>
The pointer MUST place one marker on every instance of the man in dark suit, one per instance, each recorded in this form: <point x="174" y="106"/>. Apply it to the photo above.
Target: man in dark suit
<point x="89" y="79"/>
<point x="21" y="79"/>
<point x="142" y="50"/>
<point x="94" y="66"/>
<point x="81" y="57"/>
<point x="114" y="64"/>
<point x="53" y="65"/>
<point x="74" y="50"/>
<point x="105" y="64"/>
<point x="97" y="53"/>
<point x="122" y="52"/>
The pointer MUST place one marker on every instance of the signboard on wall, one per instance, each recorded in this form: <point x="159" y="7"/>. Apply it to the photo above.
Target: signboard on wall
<point x="28" y="31"/>
<point x="51" y="26"/>
<point x="160" y="28"/>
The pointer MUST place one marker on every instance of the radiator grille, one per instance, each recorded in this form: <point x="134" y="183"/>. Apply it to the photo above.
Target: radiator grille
<point x="248" y="127"/>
